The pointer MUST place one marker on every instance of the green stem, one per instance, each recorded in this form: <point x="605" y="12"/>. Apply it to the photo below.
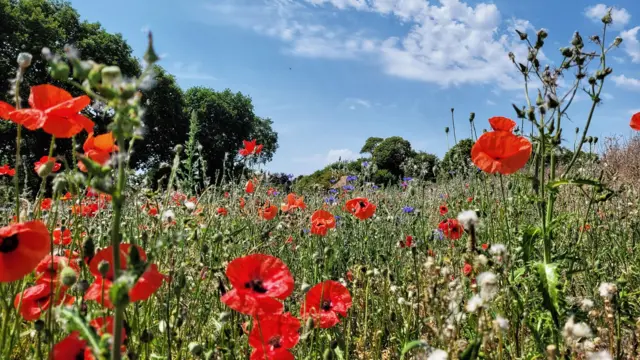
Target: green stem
<point x="43" y="182"/>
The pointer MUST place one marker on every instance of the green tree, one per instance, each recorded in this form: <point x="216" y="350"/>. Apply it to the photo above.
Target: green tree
<point x="226" y="118"/>
<point x="370" y="145"/>
<point x="391" y="153"/>
<point x="458" y="158"/>
<point x="423" y="165"/>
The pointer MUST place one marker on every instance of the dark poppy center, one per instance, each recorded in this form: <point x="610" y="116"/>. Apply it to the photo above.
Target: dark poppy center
<point x="51" y="269"/>
<point x="255" y="285"/>
<point x="325" y="305"/>
<point x="362" y="204"/>
<point x="276" y="341"/>
<point x="9" y="244"/>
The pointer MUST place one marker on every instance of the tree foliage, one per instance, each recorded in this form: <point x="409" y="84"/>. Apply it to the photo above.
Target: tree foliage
<point x="370" y="145"/>
<point x="391" y="153"/>
<point x="458" y="158"/>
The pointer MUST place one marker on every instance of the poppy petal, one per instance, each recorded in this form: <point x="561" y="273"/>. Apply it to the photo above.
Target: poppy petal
<point x="5" y="110"/>
<point x="70" y="107"/>
<point x="46" y="96"/>
<point x="32" y="119"/>
<point x="22" y="247"/>
<point x="500" y="123"/>
<point x="635" y="121"/>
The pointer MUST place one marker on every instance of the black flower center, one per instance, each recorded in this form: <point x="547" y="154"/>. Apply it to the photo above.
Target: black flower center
<point x="362" y="204"/>
<point x="325" y="305"/>
<point x="276" y="341"/>
<point x="255" y="285"/>
<point x="9" y="244"/>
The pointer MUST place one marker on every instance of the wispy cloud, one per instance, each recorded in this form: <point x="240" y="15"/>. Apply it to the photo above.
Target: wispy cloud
<point x="626" y="82"/>
<point x="192" y="71"/>
<point x="620" y="16"/>
<point x="489" y="102"/>
<point x="631" y="44"/>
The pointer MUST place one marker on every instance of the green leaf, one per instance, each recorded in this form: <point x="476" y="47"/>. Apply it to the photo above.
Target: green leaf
<point x="472" y="350"/>
<point x="529" y="237"/>
<point x="412" y="345"/>
<point x="575" y="181"/>
<point x="549" y="288"/>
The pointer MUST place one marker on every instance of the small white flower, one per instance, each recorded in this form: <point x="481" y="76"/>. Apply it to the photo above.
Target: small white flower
<point x="468" y="219"/>
<point x="393" y="288"/>
<point x="438" y="355"/>
<point x="482" y="260"/>
<point x="168" y="216"/>
<point x="502" y="323"/>
<point x="24" y="60"/>
<point x="190" y="205"/>
<point x="607" y="290"/>
<point x="581" y="330"/>
<point x="498" y="250"/>
<point x="474" y="303"/>
<point x="488" y="285"/>
<point x="586" y="304"/>
<point x="602" y="355"/>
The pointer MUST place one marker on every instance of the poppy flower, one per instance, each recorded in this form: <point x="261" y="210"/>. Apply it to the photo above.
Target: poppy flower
<point x="151" y="210"/>
<point x="273" y="336"/>
<point x="44" y="162"/>
<point x="178" y="197"/>
<point x="500" y="123"/>
<point x="37" y="299"/>
<point x="250" y="148"/>
<point x="222" y="211"/>
<point x="48" y="270"/>
<point x="408" y="241"/>
<point x="98" y="149"/>
<point x="361" y="208"/>
<point x="249" y="187"/>
<point x="22" y="246"/>
<point x="584" y="228"/>
<point x="73" y="347"/>
<point x="451" y="229"/>
<point x="66" y="197"/>
<point x="85" y="210"/>
<point x="62" y="236"/>
<point x="321" y="222"/>
<point x="146" y="285"/>
<point x="52" y="109"/>
<point x="272" y="192"/>
<point x="293" y="202"/>
<point x="467" y="269"/>
<point x="485" y="246"/>
<point x="6" y="170"/>
<point x="45" y="204"/>
<point x="444" y="209"/>
<point x="268" y="212"/>
<point x="501" y="152"/>
<point x="242" y="203"/>
<point x="470" y="199"/>
<point x="324" y="302"/>
<point x="635" y="121"/>
<point x="259" y="282"/>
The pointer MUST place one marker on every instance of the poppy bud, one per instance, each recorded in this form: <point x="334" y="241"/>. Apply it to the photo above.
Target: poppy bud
<point x="542" y="109"/>
<point x="178" y="148"/>
<point x="472" y="116"/>
<point x="446" y="130"/>
<point x="68" y="276"/>
<point x="59" y="184"/>
<point x="150" y="55"/>
<point x="82" y="286"/>
<point x="542" y="34"/>
<point x="328" y="251"/>
<point x="577" y="40"/>
<point x="81" y="69"/>
<point x="539" y="100"/>
<point x="103" y="268"/>
<point x="102" y="185"/>
<point x="24" y="60"/>
<point x="577" y="130"/>
<point x="523" y="35"/>
<point x="59" y="70"/>
<point x="119" y="292"/>
<point x="512" y="57"/>
<point x="146" y="336"/>
<point x="592" y="80"/>
<point x="305" y="287"/>
<point x="595" y="139"/>
<point x="617" y="41"/>
<point x="95" y="74"/>
<point x="45" y="169"/>
<point x="519" y="113"/>
<point x="552" y="101"/>
<point x="217" y="237"/>
<point x="195" y="349"/>
<point x="580" y="60"/>
<point x="111" y="76"/>
<point x="607" y="19"/>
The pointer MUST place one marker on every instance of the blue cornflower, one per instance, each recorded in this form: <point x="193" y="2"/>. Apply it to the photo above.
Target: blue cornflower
<point x="333" y="181"/>
<point x="330" y="200"/>
<point x="440" y="234"/>
<point x="407" y="209"/>
<point x="365" y="163"/>
<point x="333" y="191"/>
<point x="352" y="178"/>
<point x="275" y="193"/>
<point x="375" y="187"/>
<point x="290" y="177"/>
<point x="348" y="187"/>
<point x="408" y="178"/>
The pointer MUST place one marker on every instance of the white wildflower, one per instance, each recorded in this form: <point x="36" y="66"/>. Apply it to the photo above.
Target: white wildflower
<point x="581" y="330"/>
<point x="501" y="323"/>
<point x="482" y="260"/>
<point x="474" y="303"/>
<point x="573" y="332"/>
<point x="168" y="216"/>
<point x="607" y="290"/>
<point x="190" y="205"/>
<point x="498" y="250"/>
<point x="586" y="304"/>
<point x="24" y="60"/>
<point x="602" y="355"/>
<point x="488" y="285"/>
<point x="468" y="219"/>
<point x="438" y="355"/>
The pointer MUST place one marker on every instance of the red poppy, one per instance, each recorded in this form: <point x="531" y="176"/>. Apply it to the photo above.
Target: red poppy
<point x="73" y="347"/>
<point x="85" y="210"/>
<point x="501" y="152"/>
<point x="273" y="336"/>
<point x="226" y="194"/>
<point x="321" y="222"/>
<point x="467" y="269"/>
<point x="48" y="270"/>
<point x="584" y="228"/>
<point x="249" y="188"/>
<point x="293" y="202"/>
<point x="268" y="211"/>
<point x="222" y="211"/>
<point x="451" y="229"/>
<point x="324" y="302"/>
<point x="444" y="209"/>
<point x="408" y="241"/>
<point x="178" y="197"/>
<point x="485" y="246"/>
<point x="635" y="121"/>
<point x="250" y="148"/>
<point x="98" y="149"/>
<point x="22" y="246"/>
<point x="470" y="199"/>
<point x="62" y="236"/>
<point x="6" y="170"/>
<point x="66" y="196"/>
<point x="242" y="203"/>
<point x="37" y="299"/>
<point x="499" y="123"/>
<point x="151" y="210"/>
<point x="44" y="161"/>
<point x="259" y="282"/>
<point x="361" y="208"/>
<point x="272" y="191"/>
<point x="45" y="204"/>
<point x="145" y="286"/>
<point x="350" y="276"/>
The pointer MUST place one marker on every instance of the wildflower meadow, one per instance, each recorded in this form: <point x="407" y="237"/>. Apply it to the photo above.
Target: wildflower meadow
<point x="517" y="245"/>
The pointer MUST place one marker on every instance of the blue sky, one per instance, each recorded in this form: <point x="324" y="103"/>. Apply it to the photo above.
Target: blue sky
<point x="332" y="73"/>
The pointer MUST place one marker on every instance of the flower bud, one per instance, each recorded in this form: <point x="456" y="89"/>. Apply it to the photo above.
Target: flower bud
<point x="45" y="169"/>
<point x="89" y="249"/>
<point x="607" y="19"/>
<point x="617" y="41"/>
<point x="59" y="70"/>
<point x="24" y="60"/>
<point x="82" y="286"/>
<point x="111" y="75"/>
<point x="552" y="101"/>
<point x="539" y="100"/>
<point x="577" y="40"/>
<point x="577" y="130"/>
<point x="39" y="325"/>
<point x="472" y="117"/>
<point x="542" y="34"/>
<point x="195" y="349"/>
<point x="59" y="184"/>
<point x="592" y="80"/>
<point x="119" y="292"/>
<point x="224" y="317"/>
<point x="523" y="35"/>
<point x="566" y="52"/>
<point x="81" y="69"/>
<point x="68" y="276"/>
<point x="446" y="130"/>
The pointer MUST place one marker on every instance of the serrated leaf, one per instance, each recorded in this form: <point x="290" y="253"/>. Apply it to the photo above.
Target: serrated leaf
<point x="549" y="288"/>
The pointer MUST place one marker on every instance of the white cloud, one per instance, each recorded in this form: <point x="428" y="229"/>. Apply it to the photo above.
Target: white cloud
<point x="626" y="82"/>
<point x="354" y="103"/>
<point x="489" y="102"/>
<point x="620" y="16"/>
<point x="630" y="43"/>
<point x="606" y="96"/>
<point x="192" y="71"/>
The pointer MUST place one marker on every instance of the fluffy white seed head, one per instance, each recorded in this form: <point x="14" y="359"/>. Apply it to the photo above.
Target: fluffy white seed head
<point x="607" y="290"/>
<point x="468" y="219"/>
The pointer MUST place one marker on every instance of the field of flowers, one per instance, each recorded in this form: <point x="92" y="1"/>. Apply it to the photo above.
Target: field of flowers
<point x="517" y="257"/>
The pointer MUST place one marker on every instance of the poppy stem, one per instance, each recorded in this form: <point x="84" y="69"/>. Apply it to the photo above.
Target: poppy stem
<point x="43" y="181"/>
<point x="16" y="178"/>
